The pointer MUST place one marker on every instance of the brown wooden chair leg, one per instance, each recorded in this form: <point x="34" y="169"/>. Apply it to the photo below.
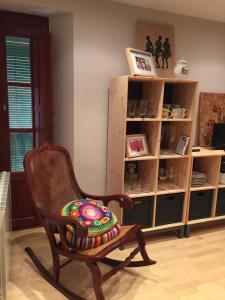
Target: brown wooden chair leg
<point x="55" y="266"/>
<point x="97" y="280"/>
<point x="144" y="254"/>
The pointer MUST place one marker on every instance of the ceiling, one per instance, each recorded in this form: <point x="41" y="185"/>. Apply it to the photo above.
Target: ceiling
<point x="31" y="7"/>
<point x="206" y="9"/>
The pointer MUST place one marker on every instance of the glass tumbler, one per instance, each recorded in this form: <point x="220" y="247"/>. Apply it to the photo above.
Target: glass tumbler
<point x="131" y="108"/>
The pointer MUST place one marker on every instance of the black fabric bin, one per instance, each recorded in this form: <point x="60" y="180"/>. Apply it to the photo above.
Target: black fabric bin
<point x="220" y="207"/>
<point x="141" y="213"/>
<point x="200" y="204"/>
<point x="169" y="208"/>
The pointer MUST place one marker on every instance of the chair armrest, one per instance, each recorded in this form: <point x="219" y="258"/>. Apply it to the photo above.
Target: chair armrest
<point x="125" y="201"/>
<point x="80" y="229"/>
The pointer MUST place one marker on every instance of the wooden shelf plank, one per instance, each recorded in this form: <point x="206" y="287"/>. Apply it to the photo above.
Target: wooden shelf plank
<point x="156" y="78"/>
<point x="168" y="156"/>
<point x="203" y="187"/>
<point x="144" y="78"/>
<point x="168" y="188"/>
<point x="219" y="217"/>
<point x="147" y="157"/>
<point x="163" y="226"/>
<point x="201" y="221"/>
<point x="139" y="195"/>
<point x="143" y="119"/>
<point x="221" y="186"/>
<point x="172" y="191"/>
<point x="210" y="219"/>
<point x="176" y="120"/>
<point x="204" y="152"/>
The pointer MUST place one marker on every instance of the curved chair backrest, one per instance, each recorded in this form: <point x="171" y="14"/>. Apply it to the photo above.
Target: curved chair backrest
<point x="51" y="178"/>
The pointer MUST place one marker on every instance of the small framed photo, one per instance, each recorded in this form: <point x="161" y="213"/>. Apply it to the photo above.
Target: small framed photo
<point x="140" y="62"/>
<point x="136" y="145"/>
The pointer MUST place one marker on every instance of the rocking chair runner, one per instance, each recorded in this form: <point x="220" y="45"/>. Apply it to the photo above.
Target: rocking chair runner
<point x="52" y="183"/>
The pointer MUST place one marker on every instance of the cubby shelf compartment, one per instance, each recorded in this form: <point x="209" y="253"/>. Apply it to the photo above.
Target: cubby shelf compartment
<point x="150" y="90"/>
<point x="151" y="131"/>
<point x="170" y="136"/>
<point x="146" y="171"/>
<point x="181" y="93"/>
<point x="180" y="181"/>
<point x="209" y="166"/>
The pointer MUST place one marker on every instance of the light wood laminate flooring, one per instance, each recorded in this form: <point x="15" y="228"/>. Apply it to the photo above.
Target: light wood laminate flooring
<point x="187" y="269"/>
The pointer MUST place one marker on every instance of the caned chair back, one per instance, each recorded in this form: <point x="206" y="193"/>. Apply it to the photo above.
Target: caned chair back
<point x="51" y="178"/>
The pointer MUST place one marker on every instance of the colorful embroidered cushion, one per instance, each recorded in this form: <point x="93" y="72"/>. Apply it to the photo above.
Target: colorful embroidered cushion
<point x="101" y="222"/>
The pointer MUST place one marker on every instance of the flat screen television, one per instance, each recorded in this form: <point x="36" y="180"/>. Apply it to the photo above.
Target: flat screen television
<point x="218" y="137"/>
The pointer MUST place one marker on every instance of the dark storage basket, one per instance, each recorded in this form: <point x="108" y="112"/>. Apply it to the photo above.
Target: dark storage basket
<point x="169" y="209"/>
<point x="141" y="213"/>
<point x="200" y="204"/>
<point x="220" y="208"/>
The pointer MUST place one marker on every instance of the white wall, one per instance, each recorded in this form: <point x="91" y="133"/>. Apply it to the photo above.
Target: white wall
<point x="102" y="30"/>
<point x="61" y="27"/>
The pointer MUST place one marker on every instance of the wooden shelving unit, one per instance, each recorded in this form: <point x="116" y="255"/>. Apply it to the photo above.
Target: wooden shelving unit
<point x="162" y="205"/>
<point x="206" y="203"/>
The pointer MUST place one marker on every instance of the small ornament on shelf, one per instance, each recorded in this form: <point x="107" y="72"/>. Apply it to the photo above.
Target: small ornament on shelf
<point x="181" y="69"/>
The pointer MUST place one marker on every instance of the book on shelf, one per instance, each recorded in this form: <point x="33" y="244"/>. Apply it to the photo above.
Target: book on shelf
<point x="182" y="145"/>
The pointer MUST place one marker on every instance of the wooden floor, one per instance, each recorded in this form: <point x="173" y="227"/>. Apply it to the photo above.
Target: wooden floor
<point x="187" y="269"/>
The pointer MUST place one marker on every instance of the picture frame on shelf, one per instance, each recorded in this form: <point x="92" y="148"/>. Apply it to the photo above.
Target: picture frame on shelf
<point x="140" y="62"/>
<point x="182" y="145"/>
<point x="136" y="145"/>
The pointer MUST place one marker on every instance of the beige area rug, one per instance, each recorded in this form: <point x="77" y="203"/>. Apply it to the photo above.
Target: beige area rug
<point x="127" y="284"/>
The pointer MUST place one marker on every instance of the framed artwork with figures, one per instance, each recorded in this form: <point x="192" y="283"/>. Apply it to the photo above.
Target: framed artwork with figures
<point x="158" y="39"/>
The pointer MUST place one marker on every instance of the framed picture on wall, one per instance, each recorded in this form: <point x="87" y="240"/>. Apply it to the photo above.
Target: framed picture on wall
<point x="140" y="62"/>
<point x="136" y="145"/>
<point x="159" y="41"/>
<point x="211" y="111"/>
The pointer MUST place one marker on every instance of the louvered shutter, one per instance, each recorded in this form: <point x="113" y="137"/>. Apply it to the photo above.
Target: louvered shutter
<point x="19" y="99"/>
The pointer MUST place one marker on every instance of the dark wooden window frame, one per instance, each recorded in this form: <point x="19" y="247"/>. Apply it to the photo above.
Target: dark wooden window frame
<point x="37" y="29"/>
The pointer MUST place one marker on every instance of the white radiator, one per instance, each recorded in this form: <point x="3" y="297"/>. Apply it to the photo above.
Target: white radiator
<point x="5" y="199"/>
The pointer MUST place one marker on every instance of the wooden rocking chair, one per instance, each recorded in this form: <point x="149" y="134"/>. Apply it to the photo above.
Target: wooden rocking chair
<point x="52" y="182"/>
